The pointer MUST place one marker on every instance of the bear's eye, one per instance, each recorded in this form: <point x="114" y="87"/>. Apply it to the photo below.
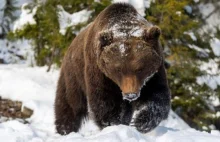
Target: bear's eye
<point x="118" y="70"/>
<point x="140" y="70"/>
<point x="106" y="38"/>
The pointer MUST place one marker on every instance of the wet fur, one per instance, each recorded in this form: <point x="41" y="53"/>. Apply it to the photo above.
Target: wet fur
<point x="83" y="85"/>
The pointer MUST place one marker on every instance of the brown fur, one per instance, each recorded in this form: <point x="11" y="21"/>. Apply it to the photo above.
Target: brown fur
<point x="129" y="84"/>
<point x="94" y="74"/>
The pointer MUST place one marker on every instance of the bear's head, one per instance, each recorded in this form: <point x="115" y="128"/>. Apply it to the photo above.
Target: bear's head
<point x="132" y="61"/>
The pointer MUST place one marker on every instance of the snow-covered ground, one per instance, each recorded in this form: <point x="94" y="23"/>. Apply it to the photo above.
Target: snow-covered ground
<point x="36" y="89"/>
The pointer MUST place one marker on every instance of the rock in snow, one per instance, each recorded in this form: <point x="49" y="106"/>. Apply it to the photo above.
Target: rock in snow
<point x="36" y="89"/>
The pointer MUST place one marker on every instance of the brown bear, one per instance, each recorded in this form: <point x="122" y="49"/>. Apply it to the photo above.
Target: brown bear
<point x="113" y="72"/>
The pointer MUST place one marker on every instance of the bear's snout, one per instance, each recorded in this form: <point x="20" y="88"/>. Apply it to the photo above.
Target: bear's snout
<point x="130" y="88"/>
<point x="129" y="84"/>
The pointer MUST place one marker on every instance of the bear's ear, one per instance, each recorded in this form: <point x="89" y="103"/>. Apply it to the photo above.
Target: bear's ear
<point x="105" y="38"/>
<point x="152" y="33"/>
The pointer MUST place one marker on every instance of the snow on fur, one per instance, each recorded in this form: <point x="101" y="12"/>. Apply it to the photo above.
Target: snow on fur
<point x="134" y="27"/>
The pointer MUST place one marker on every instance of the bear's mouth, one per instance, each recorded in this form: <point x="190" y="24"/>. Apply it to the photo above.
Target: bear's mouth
<point x="131" y="96"/>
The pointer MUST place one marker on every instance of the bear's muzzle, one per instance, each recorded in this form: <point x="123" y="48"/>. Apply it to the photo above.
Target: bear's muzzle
<point x="131" y="96"/>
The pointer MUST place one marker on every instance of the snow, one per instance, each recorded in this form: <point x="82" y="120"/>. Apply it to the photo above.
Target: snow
<point x="212" y="21"/>
<point x="214" y="132"/>
<point x="26" y="17"/>
<point x="211" y="67"/>
<point x="38" y="93"/>
<point x="215" y="44"/>
<point x="36" y="89"/>
<point x="189" y="135"/>
<point x="179" y="13"/>
<point x="122" y="48"/>
<point x="200" y="51"/>
<point x="212" y="79"/>
<point x="19" y="3"/>
<point x="188" y="9"/>
<point x="70" y="20"/>
<point x="135" y="31"/>
<point x="2" y="4"/>
<point x="192" y="35"/>
<point x="39" y="85"/>
<point x="10" y="50"/>
<point x="134" y="26"/>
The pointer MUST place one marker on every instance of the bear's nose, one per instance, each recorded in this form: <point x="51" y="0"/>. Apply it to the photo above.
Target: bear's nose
<point x="130" y="96"/>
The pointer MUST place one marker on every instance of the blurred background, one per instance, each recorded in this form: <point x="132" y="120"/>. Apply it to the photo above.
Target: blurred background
<point x="38" y="32"/>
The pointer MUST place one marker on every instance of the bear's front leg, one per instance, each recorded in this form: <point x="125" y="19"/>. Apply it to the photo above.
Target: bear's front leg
<point x="105" y="103"/>
<point x="148" y="115"/>
<point x="153" y="105"/>
<point x="108" y="110"/>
